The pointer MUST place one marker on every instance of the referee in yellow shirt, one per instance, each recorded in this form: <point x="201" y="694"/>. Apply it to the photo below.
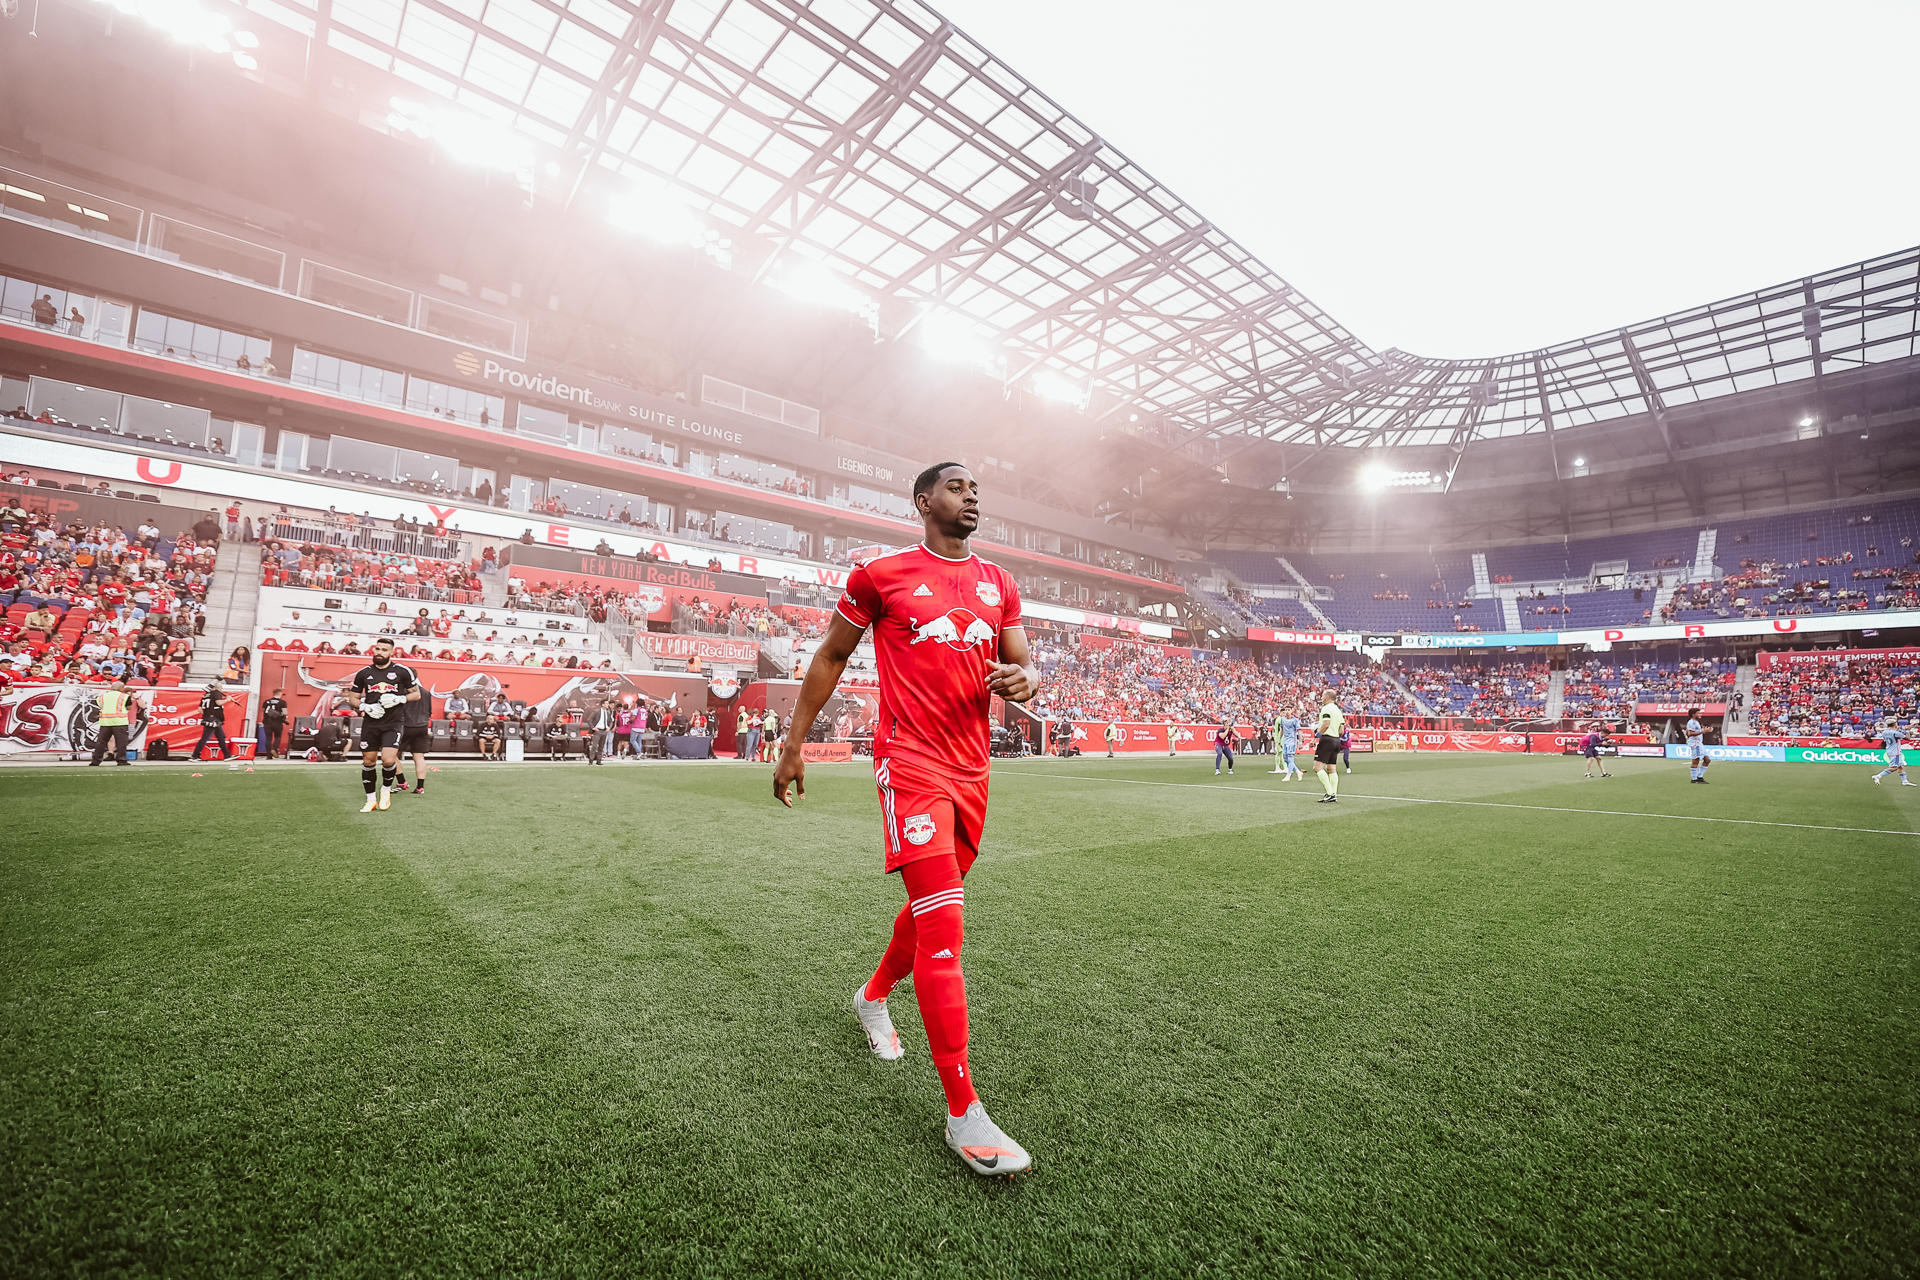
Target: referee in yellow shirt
<point x="1326" y="754"/>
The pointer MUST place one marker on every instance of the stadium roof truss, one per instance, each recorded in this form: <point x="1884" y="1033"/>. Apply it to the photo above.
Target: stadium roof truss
<point x="874" y="139"/>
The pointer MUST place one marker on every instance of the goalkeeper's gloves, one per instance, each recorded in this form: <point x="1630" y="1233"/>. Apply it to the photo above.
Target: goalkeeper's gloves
<point x="373" y="710"/>
<point x="391" y="699"/>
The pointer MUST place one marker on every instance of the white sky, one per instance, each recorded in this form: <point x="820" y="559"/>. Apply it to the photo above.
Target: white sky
<point x="1472" y="178"/>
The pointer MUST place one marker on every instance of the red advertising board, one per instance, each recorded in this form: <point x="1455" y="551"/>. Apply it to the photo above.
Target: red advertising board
<point x="1679" y="708"/>
<point x="55" y="719"/>
<point x="1770" y="660"/>
<point x="678" y="648"/>
<point x="1291" y="637"/>
<point x="1778" y="740"/>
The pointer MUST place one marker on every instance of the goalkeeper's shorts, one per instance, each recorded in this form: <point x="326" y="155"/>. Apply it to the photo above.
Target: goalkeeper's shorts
<point x="380" y="735"/>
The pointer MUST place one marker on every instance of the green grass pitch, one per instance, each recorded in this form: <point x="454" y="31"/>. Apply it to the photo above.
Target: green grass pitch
<point x="574" y="1021"/>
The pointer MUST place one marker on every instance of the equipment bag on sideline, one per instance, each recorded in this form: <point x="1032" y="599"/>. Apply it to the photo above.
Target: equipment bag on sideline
<point x="157" y="749"/>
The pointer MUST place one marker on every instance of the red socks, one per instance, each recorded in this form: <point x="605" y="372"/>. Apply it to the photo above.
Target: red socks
<point x="927" y="935"/>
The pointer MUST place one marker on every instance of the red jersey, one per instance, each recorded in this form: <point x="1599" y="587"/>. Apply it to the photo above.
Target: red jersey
<point x="936" y="627"/>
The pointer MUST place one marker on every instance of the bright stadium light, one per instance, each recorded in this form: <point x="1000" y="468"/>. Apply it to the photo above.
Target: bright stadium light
<point x="1579" y="462"/>
<point x="821" y="285"/>
<point x="467" y="138"/>
<point x="653" y="210"/>
<point x="952" y="339"/>
<point x="1378" y="476"/>
<point x="185" y="22"/>
<point x="1049" y="385"/>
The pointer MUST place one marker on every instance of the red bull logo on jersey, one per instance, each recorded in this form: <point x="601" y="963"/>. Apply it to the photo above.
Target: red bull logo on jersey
<point x="956" y="628"/>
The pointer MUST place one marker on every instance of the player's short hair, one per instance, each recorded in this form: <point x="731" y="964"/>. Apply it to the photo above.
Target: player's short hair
<point x="1692" y="712"/>
<point x="383" y="640"/>
<point x="925" y="481"/>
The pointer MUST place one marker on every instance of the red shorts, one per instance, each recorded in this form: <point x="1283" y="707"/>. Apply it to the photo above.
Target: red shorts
<point x="926" y="813"/>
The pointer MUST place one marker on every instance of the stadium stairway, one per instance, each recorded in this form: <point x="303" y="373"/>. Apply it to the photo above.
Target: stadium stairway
<point x="1703" y="549"/>
<point x="233" y="602"/>
<point x="1509" y="611"/>
<point x="1743" y="677"/>
<point x="1482" y="580"/>
<point x="1556" y="695"/>
<point x="1411" y="696"/>
<point x="1306" y="592"/>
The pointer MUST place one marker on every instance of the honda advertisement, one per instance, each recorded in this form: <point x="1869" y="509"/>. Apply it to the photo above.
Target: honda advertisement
<point x="1757" y="755"/>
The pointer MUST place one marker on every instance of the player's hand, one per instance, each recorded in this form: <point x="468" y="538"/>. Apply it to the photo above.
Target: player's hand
<point x="1011" y="682"/>
<point x="373" y="710"/>
<point x="790" y="769"/>
<point x="391" y="699"/>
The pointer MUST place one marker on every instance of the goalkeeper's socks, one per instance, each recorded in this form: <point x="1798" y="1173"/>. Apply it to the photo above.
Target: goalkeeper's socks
<point x="386" y="776"/>
<point x="367" y="779"/>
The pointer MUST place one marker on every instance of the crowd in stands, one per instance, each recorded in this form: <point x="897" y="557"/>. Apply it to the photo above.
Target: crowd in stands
<point x="1488" y="691"/>
<point x="1151" y="683"/>
<point x="445" y="637"/>
<point x="368" y="573"/>
<point x="1610" y="689"/>
<point x="1840" y="695"/>
<point x="90" y="603"/>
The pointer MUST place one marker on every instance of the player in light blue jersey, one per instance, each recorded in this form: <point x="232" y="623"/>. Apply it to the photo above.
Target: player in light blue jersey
<point x="1894" y="735"/>
<point x="1287" y="730"/>
<point x="1696" y="745"/>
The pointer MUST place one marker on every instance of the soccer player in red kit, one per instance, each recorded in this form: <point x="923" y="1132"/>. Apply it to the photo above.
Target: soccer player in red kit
<point x="946" y="627"/>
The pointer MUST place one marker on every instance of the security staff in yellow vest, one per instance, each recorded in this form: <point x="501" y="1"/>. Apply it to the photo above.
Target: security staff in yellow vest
<point x="116" y="723"/>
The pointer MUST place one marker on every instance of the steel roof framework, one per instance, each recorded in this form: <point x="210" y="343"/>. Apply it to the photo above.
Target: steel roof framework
<point x="874" y="137"/>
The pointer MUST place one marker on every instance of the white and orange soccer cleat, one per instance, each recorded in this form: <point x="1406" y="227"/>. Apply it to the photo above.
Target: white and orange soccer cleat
<point x="878" y="1024"/>
<point x="373" y="802"/>
<point x="985" y="1147"/>
<point x="386" y="798"/>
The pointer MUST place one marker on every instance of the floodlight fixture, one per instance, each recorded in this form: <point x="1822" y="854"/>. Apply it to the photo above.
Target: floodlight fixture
<point x="1061" y="389"/>
<point x="466" y="138"/>
<point x="950" y="337"/>
<point x="815" y="282"/>
<point x="655" y="211"/>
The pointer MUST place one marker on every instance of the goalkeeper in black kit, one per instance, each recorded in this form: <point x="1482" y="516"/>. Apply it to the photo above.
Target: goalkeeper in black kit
<point x="380" y="691"/>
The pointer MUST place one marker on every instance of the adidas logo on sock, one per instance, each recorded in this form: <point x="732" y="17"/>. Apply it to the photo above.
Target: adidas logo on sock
<point x="921" y="590"/>
<point x="943" y="954"/>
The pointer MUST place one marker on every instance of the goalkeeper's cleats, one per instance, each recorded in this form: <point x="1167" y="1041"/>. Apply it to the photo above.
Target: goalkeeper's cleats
<point x="373" y="802"/>
<point x="984" y="1145"/>
<point x="386" y="798"/>
<point x="878" y="1024"/>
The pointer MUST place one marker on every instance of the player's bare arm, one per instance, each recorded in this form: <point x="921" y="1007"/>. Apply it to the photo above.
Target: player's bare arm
<point x="1014" y="677"/>
<point x="823" y="673"/>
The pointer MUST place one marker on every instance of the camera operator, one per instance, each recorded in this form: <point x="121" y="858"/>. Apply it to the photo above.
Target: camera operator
<point x="213" y="721"/>
<point x="273" y="722"/>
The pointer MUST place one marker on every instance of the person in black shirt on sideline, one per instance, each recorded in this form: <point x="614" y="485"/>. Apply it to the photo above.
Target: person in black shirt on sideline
<point x="416" y="736"/>
<point x="378" y="690"/>
<point x="273" y="722"/>
<point x="213" y="721"/>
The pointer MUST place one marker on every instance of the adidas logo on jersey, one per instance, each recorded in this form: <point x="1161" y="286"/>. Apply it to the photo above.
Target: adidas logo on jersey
<point x="921" y="590"/>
